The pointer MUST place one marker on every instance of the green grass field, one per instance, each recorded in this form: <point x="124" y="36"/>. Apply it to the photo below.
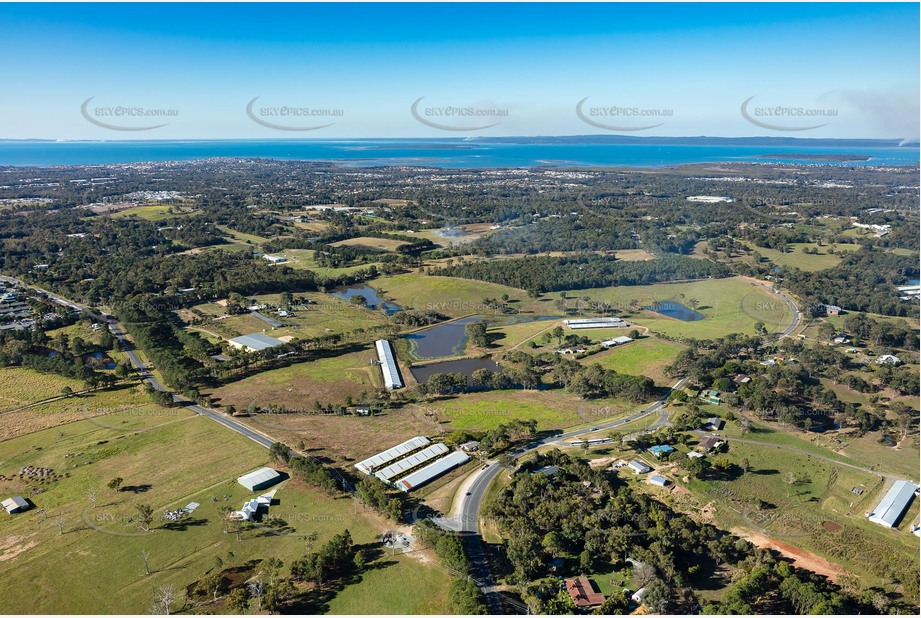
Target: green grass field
<point x="795" y="258"/>
<point x="730" y="305"/>
<point x="154" y="212"/>
<point x="20" y="386"/>
<point x="174" y="461"/>
<point x="551" y="409"/>
<point x="453" y="296"/>
<point x="303" y="259"/>
<point x="648" y="357"/>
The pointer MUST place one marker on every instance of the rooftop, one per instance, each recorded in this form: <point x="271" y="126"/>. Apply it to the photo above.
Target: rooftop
<point x="256" y="341"/>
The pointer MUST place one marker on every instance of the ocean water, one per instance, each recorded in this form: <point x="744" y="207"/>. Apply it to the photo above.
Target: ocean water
<point x="439" y="153"/>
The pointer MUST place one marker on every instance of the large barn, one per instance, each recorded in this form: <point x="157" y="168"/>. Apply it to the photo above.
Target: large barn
<point x="260" y="479"/>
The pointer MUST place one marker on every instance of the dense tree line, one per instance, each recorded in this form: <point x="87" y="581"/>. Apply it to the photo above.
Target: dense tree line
<point x="546" y="274"/>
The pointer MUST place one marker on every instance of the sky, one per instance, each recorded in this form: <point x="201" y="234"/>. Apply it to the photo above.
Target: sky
<point x="115" y="71"/>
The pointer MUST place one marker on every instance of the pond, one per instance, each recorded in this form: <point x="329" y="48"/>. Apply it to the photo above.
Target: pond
<point x="671" y="309"/>
<point x="446" y="339"/>
<point x="467" y="366"/>
<point x="373" y="298"/>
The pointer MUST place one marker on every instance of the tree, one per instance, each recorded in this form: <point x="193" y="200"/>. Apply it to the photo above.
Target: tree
<point x="238" y="600"/>
<point x="67" y="391"/>
<point x="466" y="598"/>
<point x="163" y="599"/>
<point x="211" y="584"/>
<point x="91" y="495"/>
<point x="657" y="596"/>
<point x="145" y="516"/>
<point x="279" y="452"/>
<point x="60" y="521"/>
<point x="557" y="333"/>
<point x="145" y="558"/>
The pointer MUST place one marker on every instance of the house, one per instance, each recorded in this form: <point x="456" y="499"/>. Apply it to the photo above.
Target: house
<point x="768" y="363"/>
<point x="890" y="509"/>
<point x="254" y="342"/>
<point x="888" y="359"/>
<point x="275" y="259"/>
<point x="661" y="481"/>
<point x="582" y="593"/>
<point x="548" y="470"/>
<point x="16" y="504"/>
<point x="260" y="479"/>
<point x="362" y="410"/>
<point x="741" y="378"/>
<point x="714" y="423"/>
<point x="616" y="341"/>
<point x="660" y="449"/>
<point x="832" y="309"/>
<point x="695" y="455"/>
<point x="637" y="597"/>
<point x="842" y="338"/>
<point x="471" y="446"/>
<point x="708" y="443"/>
<point x="638" y="467"/>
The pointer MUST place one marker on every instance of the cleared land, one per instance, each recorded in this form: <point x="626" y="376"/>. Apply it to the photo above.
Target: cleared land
<point x="454" y="297"/>
<point x="297" y="386"/>
<point x="169" y="465"/>
<point x="648" y="356"/>
<point x="730" y="305"/>
<point x="385" y="244"/>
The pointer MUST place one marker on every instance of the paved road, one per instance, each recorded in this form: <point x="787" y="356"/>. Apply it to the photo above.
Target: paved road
<point x="465" y="517"/>
<point x="126" y="345"/>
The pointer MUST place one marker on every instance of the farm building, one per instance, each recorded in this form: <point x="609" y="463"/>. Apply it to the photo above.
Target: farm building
<point x="616" y="341"/>
<point x="661" y="481"/>
<point x="890" y="509"/>
<point x="275" y="259"/>
<point x="384" y="458"/>
<point x="714" y="423"/>
<point x="595" y="323"/>
<point x="638" y="466"/>
<point x="432" y="471"/>
<point x="260" y="479"/>
<point x="402" y="466"/>
<point x="254" y="342"/>
<point x="832" y="309"/>
<point x="888" y="359"/>
<point x="16" y="504"/>
<point x="582" y="593"/>
<point x="388" y="364"/>
<point x="660" y="449"/>
<point x="471" y="446"/>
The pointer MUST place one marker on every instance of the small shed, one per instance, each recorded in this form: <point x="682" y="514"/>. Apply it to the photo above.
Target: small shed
<point x="638" y="466"/>
<point x="714" y="423"/>
<point x="16" y="504"/>
<point x="661" y="481"/>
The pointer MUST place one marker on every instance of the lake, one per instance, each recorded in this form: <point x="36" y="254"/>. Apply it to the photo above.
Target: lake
<point x="467" y="366"/>
<point x="671" y="309"/>
<point x="373" y="298"/>
<point x="446" y="339"/>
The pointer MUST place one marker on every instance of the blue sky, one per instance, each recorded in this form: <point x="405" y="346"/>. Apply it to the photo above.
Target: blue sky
<point x="690" y="66"/>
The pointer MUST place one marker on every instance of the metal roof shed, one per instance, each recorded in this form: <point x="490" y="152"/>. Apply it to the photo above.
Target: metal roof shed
<point x="259" y="479"/>
<point x="432" y="471"/>
<point x="890" y="509"/>
<point x="16" y="504"/>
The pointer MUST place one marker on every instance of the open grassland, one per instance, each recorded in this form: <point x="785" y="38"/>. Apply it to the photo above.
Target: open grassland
<point x="551" y="409"/>
<point x="154" y="212"/>
<point x="818" y="512"/>
<point x="20" y="386"/>
<point x="648" y="356"/>
<point x="385" y="244"/>
<point x="298" y="386"/>
<point x="167" y="465"/>
<point x="795" y="258"/>
<point x="122" y="398"/>
<point x="453" y="296"/>
<point x="303" y="259"/>
<point x="242" y="237"/>
<point x="730" y="305"/>
<point x="324" y="315"/>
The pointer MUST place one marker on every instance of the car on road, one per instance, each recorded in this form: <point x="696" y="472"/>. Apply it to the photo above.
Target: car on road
<point x="469" y="493"/>
<point x="484" y="467"/>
